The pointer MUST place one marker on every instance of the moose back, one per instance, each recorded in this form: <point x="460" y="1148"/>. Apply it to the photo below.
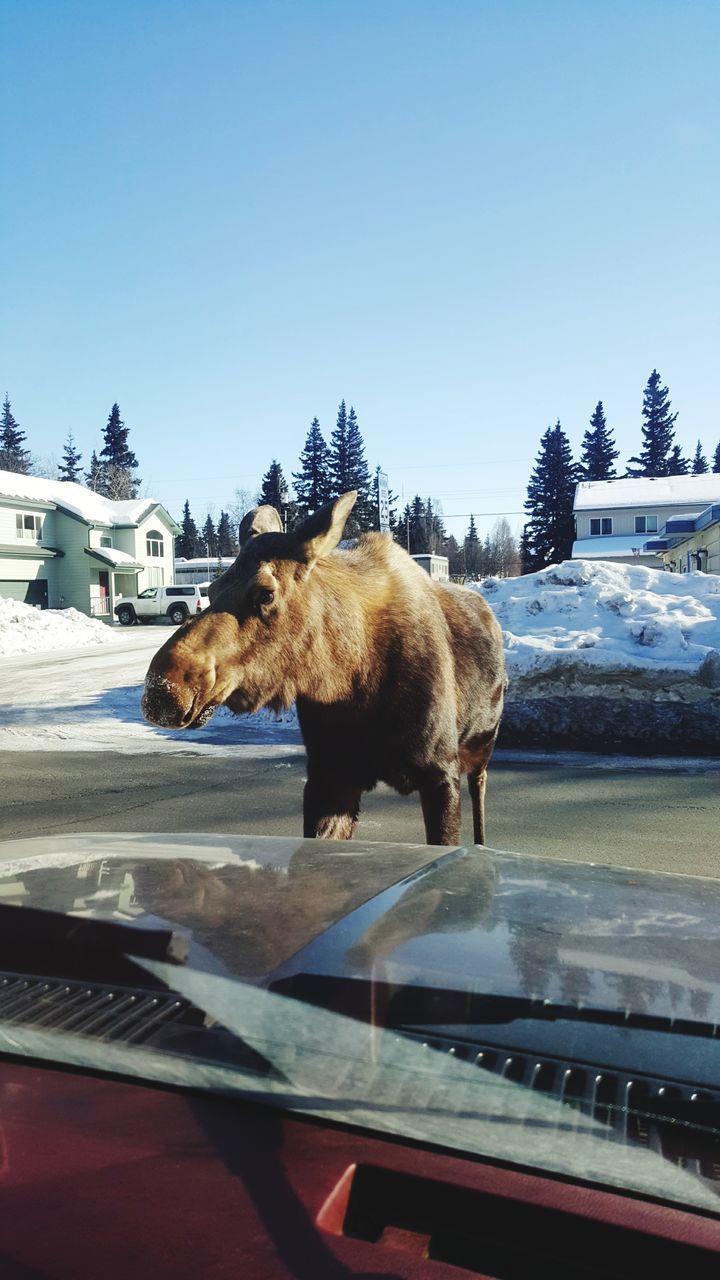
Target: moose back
<point x="396" y="678"/>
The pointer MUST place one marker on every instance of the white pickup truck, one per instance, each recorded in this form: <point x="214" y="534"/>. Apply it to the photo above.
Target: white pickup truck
<point x="175" y="603"/>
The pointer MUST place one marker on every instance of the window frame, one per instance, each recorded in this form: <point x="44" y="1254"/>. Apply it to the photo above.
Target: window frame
<point x="154" y="544"/>
<point x="645" y="527"/>
<point x="601" y="521"/>
<point x="23" y="533"/>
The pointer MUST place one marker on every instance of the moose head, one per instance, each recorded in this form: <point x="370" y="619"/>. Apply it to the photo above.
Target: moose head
<point x="252" y="647"/>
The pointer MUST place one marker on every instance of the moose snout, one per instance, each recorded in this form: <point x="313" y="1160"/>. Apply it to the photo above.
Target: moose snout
<point x="166" y="703"/>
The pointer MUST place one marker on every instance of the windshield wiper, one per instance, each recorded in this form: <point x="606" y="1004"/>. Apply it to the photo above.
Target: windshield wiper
<point x="50" y="942"/>
<point x="405" y="1007"/>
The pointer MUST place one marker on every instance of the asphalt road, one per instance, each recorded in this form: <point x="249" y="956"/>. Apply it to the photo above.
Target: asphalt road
<point x="666" y="819"/>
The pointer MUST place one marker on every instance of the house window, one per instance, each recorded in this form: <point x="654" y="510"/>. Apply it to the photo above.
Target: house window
<point x="28" y="526"/>
<point x="155" y="544"/>
<point x="646" y="524"/>
<point x="105" y="540"/>
<point x="601" y="527"/>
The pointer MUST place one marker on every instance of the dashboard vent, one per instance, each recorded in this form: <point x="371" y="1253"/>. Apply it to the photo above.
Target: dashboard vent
<point x="678" y="1122"/>
<point x="91" y="1009"/>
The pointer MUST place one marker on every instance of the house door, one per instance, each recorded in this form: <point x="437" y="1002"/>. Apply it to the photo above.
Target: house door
<point x="100" y="606"/>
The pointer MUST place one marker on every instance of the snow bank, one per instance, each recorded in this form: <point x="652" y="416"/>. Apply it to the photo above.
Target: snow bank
<point x="600" y="653"/>
<point x="24" y="629"/>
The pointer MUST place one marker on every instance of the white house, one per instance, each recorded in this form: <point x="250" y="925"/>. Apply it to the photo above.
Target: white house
<point x="615" y="519"/>
<point x="62" y="545"/>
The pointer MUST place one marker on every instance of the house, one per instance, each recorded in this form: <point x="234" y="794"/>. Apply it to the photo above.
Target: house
<point x="62" y="546"/>
<point x="614" y="518"/>
<point x="689" y="542"/>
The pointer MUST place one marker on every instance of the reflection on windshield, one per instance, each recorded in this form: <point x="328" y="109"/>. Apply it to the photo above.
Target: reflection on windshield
<point x="467" y="919"/>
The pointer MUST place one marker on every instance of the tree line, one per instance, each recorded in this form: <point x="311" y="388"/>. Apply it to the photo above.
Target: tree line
<point x="110" y="473"/>
<point x="325" y="470"/>
<point x="549" y="531"/>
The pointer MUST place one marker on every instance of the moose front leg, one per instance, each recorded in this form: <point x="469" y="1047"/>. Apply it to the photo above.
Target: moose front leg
<point x="440" y="799"/>
<point x="330" y="808"/>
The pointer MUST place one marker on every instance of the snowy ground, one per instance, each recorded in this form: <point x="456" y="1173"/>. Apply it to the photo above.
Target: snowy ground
<point x="624" y="641"/>
<point x="88" y="699"/>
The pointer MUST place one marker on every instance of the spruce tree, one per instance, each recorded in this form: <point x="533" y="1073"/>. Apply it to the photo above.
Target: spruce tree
<point x="699" y="463"/>
<point x="716" y="458"/>
<point x="187" y="544"/>
<point x="677" y="465"/>
<point x="418" y="527"/>
<point x="312" y="481"/>
<point x="209" y="537"/>
<point x="338" y="455"/>
<point x="401" y="533"/>
<point x="658" y="431"/>
<point x="456" y="557"/>
<point x="94" y="474"/>
<point x="118" y="460"/>
<point x="274" y="493"/>
<point x="348" y="469"/>
<point x="362" y="515"/>
<point x="597" y="460"/>
<point x="13" y="455"/>
<point x="472" y="550"/>
<point x="69" y="468"/>
<point x="224" y="535"/>
<point x="524" y="550"/>
<point x="550" y="530"/>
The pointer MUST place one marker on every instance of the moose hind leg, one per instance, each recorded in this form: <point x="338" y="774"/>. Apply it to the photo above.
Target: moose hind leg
<point x="476" y="786"/>
<point x="477" y="781"/>
<point x="440" y="799"/>
<point x="330" y="809"/>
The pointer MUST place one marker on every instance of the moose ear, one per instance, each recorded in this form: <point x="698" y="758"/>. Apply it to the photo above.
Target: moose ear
<point x="259" y="520"/>
<point x="321" y="532"/>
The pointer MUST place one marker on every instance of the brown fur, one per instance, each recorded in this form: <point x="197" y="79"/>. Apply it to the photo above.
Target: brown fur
<point x="396" y="678"/>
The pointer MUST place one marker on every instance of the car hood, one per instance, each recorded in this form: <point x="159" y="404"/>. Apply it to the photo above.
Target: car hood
<point x="469" y="920"/>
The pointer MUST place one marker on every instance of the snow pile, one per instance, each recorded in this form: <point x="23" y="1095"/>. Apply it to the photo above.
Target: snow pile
<point x="597" y="651"/>
<point x="24" y="629"/>
<point x="606" y="615"/>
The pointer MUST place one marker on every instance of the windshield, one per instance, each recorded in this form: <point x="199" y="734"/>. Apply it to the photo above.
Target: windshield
<point x="461" y="1046"/>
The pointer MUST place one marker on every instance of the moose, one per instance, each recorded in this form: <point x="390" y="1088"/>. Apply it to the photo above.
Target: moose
<point x="396" y="678"/>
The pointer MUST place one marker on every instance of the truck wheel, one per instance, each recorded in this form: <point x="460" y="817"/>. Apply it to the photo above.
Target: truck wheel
<point x="126" y="616"/>
<point x="177" y="614"/>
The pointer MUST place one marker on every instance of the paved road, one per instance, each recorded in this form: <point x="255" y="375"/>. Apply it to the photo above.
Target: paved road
<point x="665" y="820"/>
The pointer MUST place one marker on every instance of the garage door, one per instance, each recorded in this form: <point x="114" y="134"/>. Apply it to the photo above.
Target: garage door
<point x="35" y="592"/>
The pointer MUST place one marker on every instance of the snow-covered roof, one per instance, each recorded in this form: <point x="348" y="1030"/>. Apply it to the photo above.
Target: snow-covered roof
<point x="610" y="548"/>
<point x="74" y="498"/>
<point x="118" y="559"/>
<point x="694" y="492"/>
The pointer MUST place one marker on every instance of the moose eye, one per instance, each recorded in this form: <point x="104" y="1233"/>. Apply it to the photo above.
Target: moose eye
<point x="264" y="598"/>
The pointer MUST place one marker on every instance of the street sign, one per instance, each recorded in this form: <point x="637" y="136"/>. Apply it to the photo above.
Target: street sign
<point x="383" y="502"/>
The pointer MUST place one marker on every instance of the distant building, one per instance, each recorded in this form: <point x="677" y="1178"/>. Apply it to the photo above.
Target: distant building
<point x="687" y="543"/>
<point x="62" y="546"/>
<point x="202" y="568"/>
<point x="615" y="519"/>
<point x="437" y="566"/>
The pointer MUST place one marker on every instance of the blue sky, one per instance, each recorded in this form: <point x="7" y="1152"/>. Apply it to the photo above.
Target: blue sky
<point x="468" y="219"/>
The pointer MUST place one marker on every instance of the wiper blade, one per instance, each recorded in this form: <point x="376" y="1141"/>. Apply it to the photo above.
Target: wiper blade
<point x="405" y="1007"/>
<point x="52" y="939"/>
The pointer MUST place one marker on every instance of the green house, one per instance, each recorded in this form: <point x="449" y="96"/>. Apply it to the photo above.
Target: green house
<point x="63" y="546"/>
